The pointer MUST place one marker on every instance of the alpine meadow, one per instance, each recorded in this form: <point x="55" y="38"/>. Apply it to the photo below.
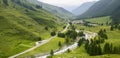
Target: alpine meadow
<point x="59" y="29"/>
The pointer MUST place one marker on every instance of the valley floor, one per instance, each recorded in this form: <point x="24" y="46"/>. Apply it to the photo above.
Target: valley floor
<point x="80" y="52"/>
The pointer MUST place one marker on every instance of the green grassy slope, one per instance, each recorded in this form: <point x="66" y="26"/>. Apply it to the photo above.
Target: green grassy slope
<point x="21" y="24"/>
<point x="99" y="20"/>
<point x="52" y="45"/>
<point x="58" y="11"/>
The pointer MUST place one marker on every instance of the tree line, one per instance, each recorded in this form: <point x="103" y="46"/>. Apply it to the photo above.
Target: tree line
<point x="93" y="47"/>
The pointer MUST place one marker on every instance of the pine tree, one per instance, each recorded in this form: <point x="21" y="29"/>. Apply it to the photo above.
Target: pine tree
<point x="115" y="50"/>
<point x="99" y="50"/>
<point x="107" y="48"/>
<point x="51" y="52"/>
<point x="111" y="48"/>
<point x="86" y="44"/>
<point x="59" y="44"/>
<point x="104" y="30"/>
<point x="68" y="50"/>
<point x="111" y="28"/>
<point x="80" y="42"/>
<point x="46" y="28"/>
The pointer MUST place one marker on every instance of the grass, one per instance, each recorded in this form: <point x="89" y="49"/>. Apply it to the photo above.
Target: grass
<point x="46" y="48"/>
<point x="113" y="37"/>
<point x="19" y="27"/>
<point x="99" y="20"/>
<point x="75" y="53"/>
<point x="102" y="56"/>
<point x="92" y="29"/>
<point x="81" y="53"/>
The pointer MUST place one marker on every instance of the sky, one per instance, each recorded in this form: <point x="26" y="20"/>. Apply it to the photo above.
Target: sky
<point x="67" y="4"/>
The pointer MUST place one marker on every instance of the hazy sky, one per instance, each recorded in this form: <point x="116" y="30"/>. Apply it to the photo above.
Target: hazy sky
<point x="67" y="4"/>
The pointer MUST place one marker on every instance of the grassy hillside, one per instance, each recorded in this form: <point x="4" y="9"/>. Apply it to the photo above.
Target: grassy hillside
<point x="99" y="20"/>
<point x="57" y="11"/>
<point x="21" y="24"/>
<point x="45" y="48"/>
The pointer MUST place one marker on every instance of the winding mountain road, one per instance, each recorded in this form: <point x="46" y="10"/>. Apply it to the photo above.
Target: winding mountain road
<point x="73" y="46"/>
<point x="39" y="43"/>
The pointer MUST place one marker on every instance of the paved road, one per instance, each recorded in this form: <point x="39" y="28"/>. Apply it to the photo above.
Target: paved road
<point x="65" y="28"/>
<point x="40" y="43"/>
<point x="71" y="47"/>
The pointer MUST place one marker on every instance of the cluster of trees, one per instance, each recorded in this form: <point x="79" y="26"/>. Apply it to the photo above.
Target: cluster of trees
<point x="81" y="34"/>
<point x="115" y="27"/>
<point x="70" y="36"/>
<point x="71" y="33"/>
<point x="72" y="27"/>
<point x="102" y="34"/>
<point x="93" y="48"/>
<point x="61" y="35"/>
<point x="110" y="49"/>
<point x="53" y="33"/>
<point x="80" y="42"/>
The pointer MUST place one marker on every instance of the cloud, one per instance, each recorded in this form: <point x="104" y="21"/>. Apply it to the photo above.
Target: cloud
<point x="67" y="4"/>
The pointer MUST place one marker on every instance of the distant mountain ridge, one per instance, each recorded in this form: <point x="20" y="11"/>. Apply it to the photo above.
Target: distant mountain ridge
<point x="101" y="8"/>
<point x="83" y="8"/>
<point x="58" y="11"/>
